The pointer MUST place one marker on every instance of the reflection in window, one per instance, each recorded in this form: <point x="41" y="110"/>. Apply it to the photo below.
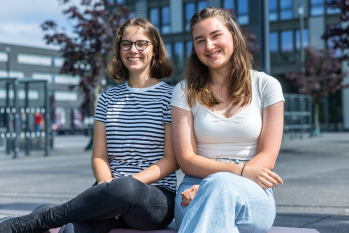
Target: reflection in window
<point x="273" y="10"/>
<point x="178" y="55"/>
<point x="286" y="9"/>
<point x="317" y="7"/>
<point x="165" y="20"/>
<point x="243" y="12"/>
<point x="228" y="4"/>
<point x="188" y="46"/>
<point x="44" y="76"/>
<point x="3" y="57"/>
<point x="67" y="79"/>
<point x="330" y="43"/>
<point x="13" y="74"/>
<point x="273" y="46"/>
<point x="189" y="12"/>
<point x="65" y="96"/>
<point x="287" y="46"/>
<point x="34" y="59"/>
<point x="154" y="17"/>
<point x="58" y="61"/>
<point x="332" y="11"/>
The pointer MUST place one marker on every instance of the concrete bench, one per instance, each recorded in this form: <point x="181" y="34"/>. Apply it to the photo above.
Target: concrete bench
<point x="173" y="229"/>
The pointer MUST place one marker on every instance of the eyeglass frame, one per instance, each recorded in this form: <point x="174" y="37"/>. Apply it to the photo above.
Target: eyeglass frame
<point x="148" y="42"/>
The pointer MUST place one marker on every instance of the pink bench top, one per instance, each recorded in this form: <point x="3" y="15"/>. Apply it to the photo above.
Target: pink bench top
<point x="172" y="229"/>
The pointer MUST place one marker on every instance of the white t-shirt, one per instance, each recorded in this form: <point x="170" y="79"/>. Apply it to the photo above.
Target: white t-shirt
<point x="235" y="137"/>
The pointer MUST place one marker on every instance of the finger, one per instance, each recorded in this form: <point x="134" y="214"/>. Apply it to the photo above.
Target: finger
<point x="272" y="181"/>
<point x="268" y="184"/>
<point x="263" y="186"/>
<point x="117" y="217"/>
<point x="276" y="177"/>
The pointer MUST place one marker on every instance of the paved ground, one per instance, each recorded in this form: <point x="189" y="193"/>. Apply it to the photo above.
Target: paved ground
<point x="315" y="193"/>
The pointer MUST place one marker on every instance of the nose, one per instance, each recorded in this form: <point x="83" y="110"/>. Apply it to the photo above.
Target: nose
<point x="209" y="44"/>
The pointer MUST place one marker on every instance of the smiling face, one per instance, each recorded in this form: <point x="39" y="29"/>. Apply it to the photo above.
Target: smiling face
<point x="136" y="62"/>
<point x="213" y="43"/>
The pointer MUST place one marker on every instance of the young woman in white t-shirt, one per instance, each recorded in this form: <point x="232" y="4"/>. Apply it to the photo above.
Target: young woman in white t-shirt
<point x="227" y="125"/>
<point x="132" y="159"/>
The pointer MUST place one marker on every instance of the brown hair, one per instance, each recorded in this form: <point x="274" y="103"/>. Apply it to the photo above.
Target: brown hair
<point x="197" y="75"/>
<point x="160" y="66"/>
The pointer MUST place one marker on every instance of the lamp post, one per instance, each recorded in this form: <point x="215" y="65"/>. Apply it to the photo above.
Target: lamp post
<point x="265" y="36"/>
<point x="7" y="115"/>
<point x="8" y="50"/>
<point x="301" y="28"/>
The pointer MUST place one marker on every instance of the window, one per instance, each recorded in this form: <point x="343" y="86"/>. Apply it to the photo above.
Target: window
<point x="178" y="55"/>
<point x="286" y="9"/>
<point x="332" y="11"/>
<point x="65" y="96"/>
<point x="58" y="61"/>
<point x="154" y="17"/>
<point x="273" y="10"/>
<point x="188" y="46"/>
<point x="305" y="39"/>
<point x="165" y="23"/>
<point x="168" y="48"/>
<point x="273" y="46"/>
<point x="287" y="45"/>
<point x="242" y="7"/>
<point x="44" y="76"/>
<point x="330" y="43"/>
<point x="229" y="4"/>
<point x="3" y="57"/>
<point x="67" y="79"/>
<point x="189" y="10"/>
<point x="13" y="74"/>
<point x="33" y="59"/>
<point x="165" y="20"/>
<point x="317" y="7"/>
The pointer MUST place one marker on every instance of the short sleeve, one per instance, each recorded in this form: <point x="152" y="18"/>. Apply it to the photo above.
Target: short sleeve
<point x="101" y="110"/>
<point x="271" y="90"/>
<point x="167" y="113"/>
<point x="178" y="97"/>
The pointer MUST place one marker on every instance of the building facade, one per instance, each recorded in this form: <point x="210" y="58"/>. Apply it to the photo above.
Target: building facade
<point x="171" y="18"/>
<point x="44" y="64"/>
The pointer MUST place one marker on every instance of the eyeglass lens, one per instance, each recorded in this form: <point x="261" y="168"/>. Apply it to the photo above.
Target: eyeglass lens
<point x="140" y="44"/>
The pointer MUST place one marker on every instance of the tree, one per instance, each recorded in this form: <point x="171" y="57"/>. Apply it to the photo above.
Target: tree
<point x="323" y="76"/>
<point x="87" y="52"/>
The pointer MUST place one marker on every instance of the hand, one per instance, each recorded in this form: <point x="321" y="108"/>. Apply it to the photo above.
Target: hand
<point x="262" y="176"/>
<point x="117" y="217"/>
<point x="189" y="194"/>
<point x="106" y="181"/>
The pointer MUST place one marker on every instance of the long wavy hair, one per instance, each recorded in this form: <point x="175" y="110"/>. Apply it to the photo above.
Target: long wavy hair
<point x="160" y="66"/>
<point x="197" y="75"/>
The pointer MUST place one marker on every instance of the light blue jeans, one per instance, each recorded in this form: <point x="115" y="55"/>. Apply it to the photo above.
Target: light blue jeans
<point x="225" y="202"/>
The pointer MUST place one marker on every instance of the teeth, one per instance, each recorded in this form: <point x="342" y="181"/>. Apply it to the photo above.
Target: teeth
<point x="214" y="54"/>
<point x="133" y="59"/>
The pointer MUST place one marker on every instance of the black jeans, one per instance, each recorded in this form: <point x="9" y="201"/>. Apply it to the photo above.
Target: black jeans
<point x="141" y="206"/>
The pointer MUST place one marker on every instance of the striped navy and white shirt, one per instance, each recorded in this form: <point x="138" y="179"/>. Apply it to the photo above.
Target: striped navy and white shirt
<point x="135" y="130"/>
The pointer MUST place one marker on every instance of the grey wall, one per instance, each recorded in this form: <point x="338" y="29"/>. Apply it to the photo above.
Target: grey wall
<point x="142" y="9"/>
<point x="176" y="7"/>
<point x="316" y="30"/>
<point x="214" y="3"/>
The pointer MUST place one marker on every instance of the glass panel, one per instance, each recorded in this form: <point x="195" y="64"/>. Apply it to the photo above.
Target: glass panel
<point x="228" y="4"/>
<point x="66" y="79"/>
<point x="178" y="55"/>
<point x="242" y="7"/>
<point x="44" y="76"/>
<point x="305" y="39"/>
<point x="33" y="59"/>
<point x="286" y="9"/>
<point x="58" y="61"/>
<point x="273" y="10"/>
<point x="287" y="45"/>
<point x="188" y="46"/>
<point x="273" y="46"/>
<point x="273" y="4"/>
<point x="273" y="16"/>
<point x="317" y="10"/>
<point x="189" y="12"/>
<point x="202" y="5"/>
<point x="243" y="19"/>
<point x="168" y="48"/>
<point x="165" y="20"/>
<point x="154" y="17"/>
<point x="286" y="14"/>
<point x="13" y="74"/>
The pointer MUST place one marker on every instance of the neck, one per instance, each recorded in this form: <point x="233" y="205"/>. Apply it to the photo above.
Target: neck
<point x="220" y="76"/>
<point x="141" y="80"/>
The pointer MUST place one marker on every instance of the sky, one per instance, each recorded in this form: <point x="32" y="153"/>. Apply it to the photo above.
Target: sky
<point x="20" y="21"/>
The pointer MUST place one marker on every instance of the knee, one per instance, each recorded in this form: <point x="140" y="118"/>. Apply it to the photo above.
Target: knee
<point x="221" y="179"/>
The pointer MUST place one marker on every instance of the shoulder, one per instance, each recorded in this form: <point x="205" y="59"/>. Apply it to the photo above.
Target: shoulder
<point x="110" y="93"/>
<point x="263" y="80"/>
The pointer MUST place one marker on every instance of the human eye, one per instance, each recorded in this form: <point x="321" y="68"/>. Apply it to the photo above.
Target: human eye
<point x="199" y="41"/>
<point x="125" y="43"/>
<point x="216" y="35"/>
<point x="141" y="43"/>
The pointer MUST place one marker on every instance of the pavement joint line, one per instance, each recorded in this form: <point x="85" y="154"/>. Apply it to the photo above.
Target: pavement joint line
<point x="324" y="218"/>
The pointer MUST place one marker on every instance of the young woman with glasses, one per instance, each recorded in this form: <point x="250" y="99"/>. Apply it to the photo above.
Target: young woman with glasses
<point x="132" y="159"/>
<point x="227" y="124"/>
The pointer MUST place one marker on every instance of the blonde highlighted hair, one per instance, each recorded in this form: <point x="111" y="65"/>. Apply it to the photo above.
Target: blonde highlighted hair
<point x="197" y="75"/>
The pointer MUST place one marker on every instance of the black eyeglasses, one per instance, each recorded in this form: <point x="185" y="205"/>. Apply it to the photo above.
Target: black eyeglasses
<point x="140" y="44"/>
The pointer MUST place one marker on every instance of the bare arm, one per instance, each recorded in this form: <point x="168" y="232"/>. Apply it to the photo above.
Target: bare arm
<point x="99" y="160"/>
<point x="165" y="166"/>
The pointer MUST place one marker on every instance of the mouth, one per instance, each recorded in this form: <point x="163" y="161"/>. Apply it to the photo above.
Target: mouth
<point x="133" y="58"/>
<point x="213" y="54"/>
